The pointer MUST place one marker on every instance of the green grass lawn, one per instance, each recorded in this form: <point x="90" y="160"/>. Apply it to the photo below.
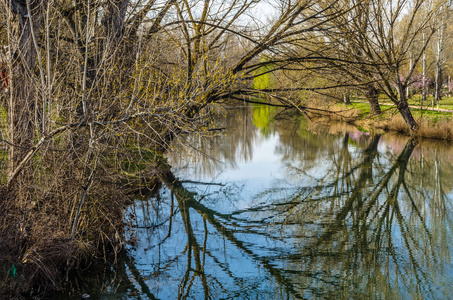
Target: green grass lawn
<point x="389" y="109"/>
<point x="445" y="103"/>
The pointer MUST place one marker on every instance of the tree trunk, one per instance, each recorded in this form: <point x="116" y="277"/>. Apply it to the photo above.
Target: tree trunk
<point x="449" y="85"/>
<point x="424" y="87"/>
<point x="438" y="73"/>
<point x="346" y="98"/>
<point x="372" y="95"/>
<point x="439" y="58"/>
<point x="411" y="63"/>
<point x="405" y="112"/>
<point x="21" y="105"/>
<point x="438" y="86"/>
<point x="114" y="24"/>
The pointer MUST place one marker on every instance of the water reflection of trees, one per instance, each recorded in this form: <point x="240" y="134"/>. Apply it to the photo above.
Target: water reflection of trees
<point x="375" y="224"/>
<point x="356" y="220"/>
<point x="228" y="226"/>
<point x="208" y="155"/>
<point x="375" y="227"/>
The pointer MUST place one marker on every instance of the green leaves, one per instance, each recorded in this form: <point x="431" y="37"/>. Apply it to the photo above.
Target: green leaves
<point x="263" y="76"/>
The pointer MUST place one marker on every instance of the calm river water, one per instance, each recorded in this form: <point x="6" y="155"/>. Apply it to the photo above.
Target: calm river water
<point x="293" y="210"/>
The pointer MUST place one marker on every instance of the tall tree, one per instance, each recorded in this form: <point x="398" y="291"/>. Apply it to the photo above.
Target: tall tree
<point x="387" y="44"/>
<point x="23" y="26"/>
<point x="441" y="21"/>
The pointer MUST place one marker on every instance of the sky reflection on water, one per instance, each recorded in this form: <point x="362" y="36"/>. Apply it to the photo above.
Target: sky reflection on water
<point x="291" y="211"/>
<point x="301" y="215"/>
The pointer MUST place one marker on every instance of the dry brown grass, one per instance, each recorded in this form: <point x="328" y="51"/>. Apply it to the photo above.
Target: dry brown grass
<point x="436" y="130"/>
<point x="442" y="130"/>
<point x="390" y="121"/>
<point x="328" y="113"/>
<point x="344" y="114"/>
<point x="395" y="123"/>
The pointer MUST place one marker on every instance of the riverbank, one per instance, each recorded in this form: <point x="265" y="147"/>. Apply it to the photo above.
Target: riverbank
<point x="66" y="222"/>
<point x="433" y="123"/>
<point x="39" y="249"/>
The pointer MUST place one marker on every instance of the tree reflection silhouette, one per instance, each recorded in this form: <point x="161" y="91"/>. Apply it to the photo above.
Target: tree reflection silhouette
<point x="351" y="219"/>
<point x="220" y="222"/>
<point x="346" y="217"/>
<point x="353" y="233"/>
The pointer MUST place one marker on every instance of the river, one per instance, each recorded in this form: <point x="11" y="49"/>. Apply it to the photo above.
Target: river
<point x="291" y="209"/>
